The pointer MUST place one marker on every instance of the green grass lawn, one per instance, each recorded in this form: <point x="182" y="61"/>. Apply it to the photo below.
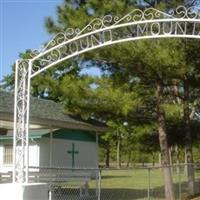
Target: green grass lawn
<point x="138" y="184"/>
<point x="136" y="178"/>
<point x="133" y="184"/>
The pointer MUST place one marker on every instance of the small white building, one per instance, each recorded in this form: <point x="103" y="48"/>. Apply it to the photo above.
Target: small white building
<point x="67" y="148"/>
<point x="56" y="139"/>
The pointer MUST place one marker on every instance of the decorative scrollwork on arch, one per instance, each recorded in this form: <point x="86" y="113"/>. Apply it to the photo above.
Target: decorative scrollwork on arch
<point x="101" y="30"/>
<point x="133" y="16"/>
<point x="187" y="13"/>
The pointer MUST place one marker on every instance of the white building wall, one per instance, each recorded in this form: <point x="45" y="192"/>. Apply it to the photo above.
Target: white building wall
<point x="39" y="154"/>
<point x="34" y="154"/>
<point x="33" y="158"/>
<point x="44" y="146"/>
<point x="1" y="157"/>
<point x="87" y="156"/>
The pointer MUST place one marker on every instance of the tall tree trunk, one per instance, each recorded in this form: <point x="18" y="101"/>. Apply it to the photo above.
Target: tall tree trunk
<point x="159" y="159"/>
<point x="118" y="150"/>
<point x="178" y="167"/>
<point x="170" y="156"/>
<point x="188" y="139"/>
<point x="185" y="162"/>
<point x="108" y="157"/>
<point x="129" y="159"/>
<point x="153" y="159"/>
<point x="169" y="192"/>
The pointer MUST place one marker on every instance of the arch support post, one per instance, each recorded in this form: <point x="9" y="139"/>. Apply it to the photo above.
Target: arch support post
<point x="21" y="121"/>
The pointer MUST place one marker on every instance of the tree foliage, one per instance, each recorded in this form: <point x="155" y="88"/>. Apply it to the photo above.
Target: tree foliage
<point x="143" y="83"/>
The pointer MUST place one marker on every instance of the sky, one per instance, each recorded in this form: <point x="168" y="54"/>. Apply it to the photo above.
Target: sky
<point x="22" y="27"/>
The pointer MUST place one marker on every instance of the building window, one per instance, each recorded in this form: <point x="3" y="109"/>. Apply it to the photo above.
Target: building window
<point x="8" y="155"/>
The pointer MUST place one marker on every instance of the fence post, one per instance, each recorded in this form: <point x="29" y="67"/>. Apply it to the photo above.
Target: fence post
<point x="51" y="184"/>
<point x="179" y="181"/>
<point x="149" y="183"/>
<point x="50" y="192"/>
<point x="99" y="185"/>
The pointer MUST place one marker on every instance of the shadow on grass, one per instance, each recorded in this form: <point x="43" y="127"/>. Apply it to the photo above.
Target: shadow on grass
<point x="156" y="193"/>
<point x="130" y="194"/>
<point x="106" y="194"/>
<point x="115" y="177"/>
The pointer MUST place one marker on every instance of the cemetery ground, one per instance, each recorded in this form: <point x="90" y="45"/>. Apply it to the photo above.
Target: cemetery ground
<point x="135" y="183"/>
<point x="138" y="183"/>
<point x="147" y="183"/>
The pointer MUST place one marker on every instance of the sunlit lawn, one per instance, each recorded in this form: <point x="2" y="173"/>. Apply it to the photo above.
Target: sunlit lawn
<point x="139" y="183"/>
<point x="134" y="184"/>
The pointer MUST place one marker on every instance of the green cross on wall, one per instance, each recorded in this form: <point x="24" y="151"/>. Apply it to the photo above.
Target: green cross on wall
<point x="73" y="152"/>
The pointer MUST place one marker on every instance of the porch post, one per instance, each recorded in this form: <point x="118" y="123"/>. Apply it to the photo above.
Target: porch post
<point x="97" y="147"/>
<point x="50" y="147"/>
<point x="96" y="171"/>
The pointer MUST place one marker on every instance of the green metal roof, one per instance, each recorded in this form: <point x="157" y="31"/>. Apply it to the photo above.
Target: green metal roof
<point x="78" y="135"/>
<point x="65" y="134"/>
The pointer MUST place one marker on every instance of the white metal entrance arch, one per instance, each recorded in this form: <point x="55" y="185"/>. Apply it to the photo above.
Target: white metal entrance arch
<point x="150" y="23"/>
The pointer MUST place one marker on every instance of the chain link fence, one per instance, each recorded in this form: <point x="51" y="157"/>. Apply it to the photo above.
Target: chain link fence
<point x="136" y="183"/>
<point x="145" y="183"/>
<point x="68" y="183"/>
